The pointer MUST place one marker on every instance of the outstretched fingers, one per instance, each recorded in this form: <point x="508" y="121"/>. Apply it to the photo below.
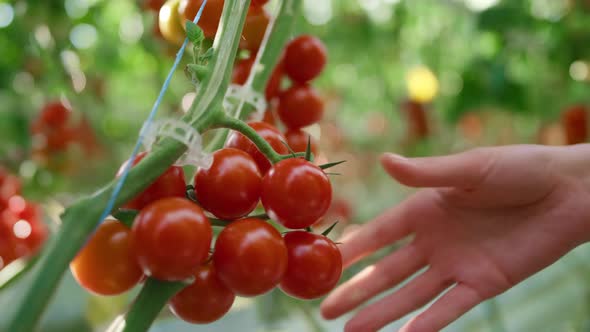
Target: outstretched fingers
<point x="414" y="295"/>
<point x="374" y="279"/>
<point x="389" y="227"/>
<point x="463" y="170"/>
<point x="449" y="307"/>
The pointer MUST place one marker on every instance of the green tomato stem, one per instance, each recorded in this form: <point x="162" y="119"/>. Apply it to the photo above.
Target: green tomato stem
<point x="149" y="303"/>
<point x="242" y="127"/>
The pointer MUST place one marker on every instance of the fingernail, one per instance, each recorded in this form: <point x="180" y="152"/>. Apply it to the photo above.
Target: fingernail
<point x="395" y="157"/>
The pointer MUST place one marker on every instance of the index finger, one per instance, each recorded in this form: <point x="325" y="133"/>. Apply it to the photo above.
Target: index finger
<point x="389" y="227"/>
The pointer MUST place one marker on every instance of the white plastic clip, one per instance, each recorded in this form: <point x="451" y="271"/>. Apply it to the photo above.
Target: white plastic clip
<point x="183" y="133"/>
<point x="237" y="93"/>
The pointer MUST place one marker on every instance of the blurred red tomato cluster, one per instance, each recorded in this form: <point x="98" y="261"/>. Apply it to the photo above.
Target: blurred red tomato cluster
<point x="56" y="132"/>
<point x="22" y="231"/>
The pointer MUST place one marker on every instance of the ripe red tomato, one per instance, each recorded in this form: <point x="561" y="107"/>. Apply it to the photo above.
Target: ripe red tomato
<point x="575" y="123"/>
<point x="273" y="86"/>
<point x="54" y="114"/>
<point x="315" y="265"/>
<point x="10" y="186"/>
<point x="298" y="139"/>
<point x="254" y="29"/>
<point x="300" y="106"/>
<point x="242" y="71"/>
<point x="205" y="301"/>
<point x="250" y="257"/>
<point x="296" y="193"/>
<point x="30" y="231"/>
<point x="209" y="19"/>
<point x="269" y="117"/>
<point x="271" y="134"/>
<point x="154" y="5"/>
<point x="8" y="253"/>
<point x="305" y="58"/>
<point x="169" y="184"/>
<point x="58" y="139"/>
<point x="230" y="188"/>
<point x="258" y="3"/>
<point x="417" y="119"/>
<point x="106" y="265"/>
<point x="171" y="238"/>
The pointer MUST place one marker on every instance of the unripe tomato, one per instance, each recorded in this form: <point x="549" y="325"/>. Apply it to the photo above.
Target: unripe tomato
<point x="169" y="184"/>
<point x="298" y="139"/>
<point x="315" y="265"/>
<point x="300" y="106"/>
<point x="250" y="257"/>
<point x="171" y="238"/>
<point x="170" y="23"/>
<point x="254" y="29"/>
<point x="230" y="188"/>
<point x="296" y="193"/>
<point x="205" y="301"/>
<point x="209" y="19"/>
<point x="305" y="58"/>
<point x="270" y="134"/>
<point x="106" y="265"/>
<point x="575" y="122"/>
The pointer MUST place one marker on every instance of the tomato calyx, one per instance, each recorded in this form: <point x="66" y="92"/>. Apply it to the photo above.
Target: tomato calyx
<point x="190" y="194"/>
<point x="329" y="229"/>
<point x="330" y="165"/>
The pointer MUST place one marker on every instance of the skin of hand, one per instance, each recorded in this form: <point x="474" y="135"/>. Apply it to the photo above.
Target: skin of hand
<point x="487" y="219"/>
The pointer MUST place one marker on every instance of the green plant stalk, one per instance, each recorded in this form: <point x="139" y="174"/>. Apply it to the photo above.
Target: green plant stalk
<point x="271" y="48"/>
<point x="262" y="145"/>
<point x="280" y="33"/>
<point x="80" y="220"/>
<point x="149" y="303"/>
<point x="236" y="124"/>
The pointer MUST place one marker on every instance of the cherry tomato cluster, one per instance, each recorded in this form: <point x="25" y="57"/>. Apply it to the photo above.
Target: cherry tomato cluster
<point x="300" y="105"/>
<point x="55" y="130"/>
<point x="171" y="238"/>
<point x="22" y="231"/>
<point x="172" y="15"/>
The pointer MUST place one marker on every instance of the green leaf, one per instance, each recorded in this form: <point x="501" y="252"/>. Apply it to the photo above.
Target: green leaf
<point x="206" y="56"/>
<point x="198" y="71"/>
<point x="194" y="32"/>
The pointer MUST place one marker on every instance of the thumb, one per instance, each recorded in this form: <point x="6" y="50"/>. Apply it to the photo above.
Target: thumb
<point x="464" y="170"/>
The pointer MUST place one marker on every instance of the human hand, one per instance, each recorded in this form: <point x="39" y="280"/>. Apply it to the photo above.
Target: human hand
<point x="492" y="218"/>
